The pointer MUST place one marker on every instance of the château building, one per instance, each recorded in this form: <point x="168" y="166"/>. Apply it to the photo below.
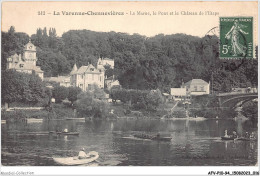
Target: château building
<point x="25" y="62"/>
<point x="86" y="76"/>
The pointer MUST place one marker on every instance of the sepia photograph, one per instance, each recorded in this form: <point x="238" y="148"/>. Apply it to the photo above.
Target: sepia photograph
<point x="148" y="83"/>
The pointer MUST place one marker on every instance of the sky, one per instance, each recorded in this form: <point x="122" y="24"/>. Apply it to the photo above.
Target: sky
<point x="24" y="16"/>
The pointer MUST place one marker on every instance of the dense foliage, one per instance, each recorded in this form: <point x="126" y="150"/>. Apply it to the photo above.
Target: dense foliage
<point x="250" y="110"/>
<point x="91" y="103"/>
<point x="139" y="99"/>
<point x="60" y="93"/>
<point x="22" y="87"/>
<point x="162" y="61"/>
<point x="73" y="93"/>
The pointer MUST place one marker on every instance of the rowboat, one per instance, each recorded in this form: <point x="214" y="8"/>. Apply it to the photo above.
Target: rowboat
<point x="246" y="139"/>
<point x="67" y="133"/>
<point x="162" y="139"/>
<point x="227" y="138"/>
<point x="155" y="138"/>
<point x="74" y="161"/>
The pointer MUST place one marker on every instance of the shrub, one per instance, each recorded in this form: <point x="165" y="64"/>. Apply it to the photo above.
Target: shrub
<point x="60" y="93"/>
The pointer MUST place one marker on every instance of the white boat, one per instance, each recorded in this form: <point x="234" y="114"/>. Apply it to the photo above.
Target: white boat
<point x="73" y="161"/>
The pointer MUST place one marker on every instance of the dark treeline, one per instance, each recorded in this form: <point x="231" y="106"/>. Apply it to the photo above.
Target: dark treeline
<point x="141" y="62"/>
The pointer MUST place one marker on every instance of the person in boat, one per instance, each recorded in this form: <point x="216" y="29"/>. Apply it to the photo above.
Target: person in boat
<point x="247" y="135"/>
<point x="252" y="136"/>
<point x="82" y="154"/>
<point x="226" y="135"/>
<point x="234" y="135"/>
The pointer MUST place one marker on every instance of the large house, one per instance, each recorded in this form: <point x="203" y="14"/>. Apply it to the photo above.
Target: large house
<point x="86" y="76"/>
<point x="196" y="87"/>
<point x="26" y="62"/>
<point x="190" y="88"/>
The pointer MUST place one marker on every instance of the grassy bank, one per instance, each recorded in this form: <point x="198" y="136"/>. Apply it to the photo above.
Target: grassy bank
<point x="63" y="111"/>
<point x="58" y="111"/>
<point x="121" y="110"/>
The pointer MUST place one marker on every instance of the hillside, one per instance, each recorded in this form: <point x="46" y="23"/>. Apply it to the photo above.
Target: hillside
<point x="141" y="62"/>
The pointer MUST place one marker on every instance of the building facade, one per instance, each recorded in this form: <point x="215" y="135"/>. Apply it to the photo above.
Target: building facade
<point x="196" y="87"/>
<point x="86" y="76"/>
<point x="26" y="62"/>
<point x="178" y="93"/>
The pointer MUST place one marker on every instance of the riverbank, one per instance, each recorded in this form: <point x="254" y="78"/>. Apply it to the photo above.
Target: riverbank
<point x="58" y="111"/>
<point x="61" y="111"/>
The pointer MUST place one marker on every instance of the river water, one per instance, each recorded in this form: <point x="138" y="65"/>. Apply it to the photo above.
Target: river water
<point x="194" y="142"/>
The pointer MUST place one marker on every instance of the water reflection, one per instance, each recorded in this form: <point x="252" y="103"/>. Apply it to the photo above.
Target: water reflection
<point x="193" y="142"/>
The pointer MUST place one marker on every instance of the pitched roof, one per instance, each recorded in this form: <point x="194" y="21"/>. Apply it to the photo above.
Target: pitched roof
<point x="108" y="59"/>
<point x="29" y="46"/>
<point x="87" y="69"/>
<point x="74" y="69"/>
<point x="196" y="82"/>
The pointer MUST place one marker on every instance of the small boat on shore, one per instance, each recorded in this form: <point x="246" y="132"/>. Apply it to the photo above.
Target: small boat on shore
<point x="74" y="161"/>
<point x="67" y="133"/>
<point x="75" y="119"/>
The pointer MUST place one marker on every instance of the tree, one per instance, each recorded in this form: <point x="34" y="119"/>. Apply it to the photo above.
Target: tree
<point x="89" y="104"/>
<point x="109" y="71"/>
<point x="154" y="99"/>
<point x="250" y="110"/>
<point x="73" y="94"/>
<point x="12" y="86"/>
<point x="21" y="87"/>
<point x="60" y="93"/>
<point x="96" y="92"/>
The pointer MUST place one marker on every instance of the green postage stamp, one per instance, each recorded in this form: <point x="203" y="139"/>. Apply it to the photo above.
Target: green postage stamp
<point x="236" y="37"/>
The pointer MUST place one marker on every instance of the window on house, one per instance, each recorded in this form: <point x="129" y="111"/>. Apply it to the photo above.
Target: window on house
<point x="100" y="78"/>
<point x="21" y="65"/>
<point x="202" y="88"/>
<point x="195" y="88"/>
<point x="92" y="69"/>
<point x="81" y="76"/>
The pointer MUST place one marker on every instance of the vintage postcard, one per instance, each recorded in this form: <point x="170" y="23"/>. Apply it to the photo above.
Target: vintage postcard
<point x="129" y="84"/>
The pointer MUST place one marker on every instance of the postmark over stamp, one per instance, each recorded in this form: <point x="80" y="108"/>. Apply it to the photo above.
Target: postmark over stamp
<point x="236" y="37"/>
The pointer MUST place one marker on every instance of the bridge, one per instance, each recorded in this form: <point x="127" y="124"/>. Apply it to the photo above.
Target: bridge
<point x="231" y="99"/>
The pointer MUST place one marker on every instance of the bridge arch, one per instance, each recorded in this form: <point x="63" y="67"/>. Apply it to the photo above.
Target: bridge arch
<point x="237" y="99"/>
